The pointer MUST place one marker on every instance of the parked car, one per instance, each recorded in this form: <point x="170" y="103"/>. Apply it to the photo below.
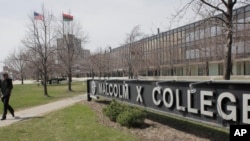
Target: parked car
<point x="56" y="80"/>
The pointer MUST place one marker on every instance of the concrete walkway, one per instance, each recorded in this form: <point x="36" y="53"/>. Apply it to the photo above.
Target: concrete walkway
<point x="38" y="111"/>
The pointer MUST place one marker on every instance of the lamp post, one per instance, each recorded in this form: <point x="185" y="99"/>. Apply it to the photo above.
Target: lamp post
<point x="109" y="62"/>
<point x="105" y="59"/>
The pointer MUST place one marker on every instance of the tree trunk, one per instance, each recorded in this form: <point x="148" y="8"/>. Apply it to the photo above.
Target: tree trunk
<point x="45" y="84"/>
<point x="172" y="70"/>
<point x="22" y="79"/>
<point x="69" y="81"/>
<point x="92" y="73"/>
<point x="129" y="72"/>
<point x="45" y="88"/>
<point x="158" y="70"/>
<point x="228" y="53"/>
<point x="229" y="38"/>
<point x="207" y="68"/>
<point x="37" y="75"/>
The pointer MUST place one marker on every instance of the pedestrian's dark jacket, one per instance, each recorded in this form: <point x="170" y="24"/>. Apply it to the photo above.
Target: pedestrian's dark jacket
<point x="6" y="86"/>
<point x="0" y="87"/>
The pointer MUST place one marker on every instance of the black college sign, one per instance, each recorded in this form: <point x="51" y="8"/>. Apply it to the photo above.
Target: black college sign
<point x="222" y="103"/>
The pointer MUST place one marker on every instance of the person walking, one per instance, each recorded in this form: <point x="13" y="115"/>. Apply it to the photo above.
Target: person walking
<point x="6" y="87"/>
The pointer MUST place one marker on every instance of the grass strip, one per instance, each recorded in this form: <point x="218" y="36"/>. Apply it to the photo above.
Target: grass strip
<point x="30" y="95"/>
<point x="75" y="123"/>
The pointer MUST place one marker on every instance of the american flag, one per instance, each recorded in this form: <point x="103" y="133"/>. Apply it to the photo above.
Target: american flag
<point x="38" y="16"/>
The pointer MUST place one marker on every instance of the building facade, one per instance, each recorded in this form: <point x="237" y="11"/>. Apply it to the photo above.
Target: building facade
<point x="71" y="53"/>
<point x="192" y="50"/>
<point x="73" y="44"/>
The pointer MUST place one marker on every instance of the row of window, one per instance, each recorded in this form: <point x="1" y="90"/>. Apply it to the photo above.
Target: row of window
<point x="196" y="41"/>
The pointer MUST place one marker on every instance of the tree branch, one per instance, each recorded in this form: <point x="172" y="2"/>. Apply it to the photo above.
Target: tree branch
<point x="214" y="7"/>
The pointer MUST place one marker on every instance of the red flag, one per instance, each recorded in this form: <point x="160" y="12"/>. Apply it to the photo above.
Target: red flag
<point x="67" y="17"/>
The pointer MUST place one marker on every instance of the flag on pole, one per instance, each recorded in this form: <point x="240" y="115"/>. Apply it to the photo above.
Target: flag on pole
<point x="38" y="16"/>
<point x="67" y="17"/>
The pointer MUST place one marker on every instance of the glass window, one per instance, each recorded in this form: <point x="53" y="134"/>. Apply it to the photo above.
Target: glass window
<point x="188" y="37"/>
<point x="219" y="30"/>
<point x="192" y="36"/>
<point x="240" y="24"/>
<point x="213" y="31"/>
<point x="248" y="8"/>
<point x="238" y="48"/>
<point x="202" y="34"/>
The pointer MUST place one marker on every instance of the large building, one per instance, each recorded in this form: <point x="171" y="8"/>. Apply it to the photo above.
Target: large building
<point x="73" y="44"/>
<point x="70" y="52"/>
<point x="193" y="49"/>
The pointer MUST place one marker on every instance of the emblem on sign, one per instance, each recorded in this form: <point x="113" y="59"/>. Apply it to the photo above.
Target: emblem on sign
<point x="93" y="87"/>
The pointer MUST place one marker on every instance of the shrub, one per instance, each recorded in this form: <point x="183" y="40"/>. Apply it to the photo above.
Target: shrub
<point x="113" y="110"/>
<point x="132" y="117"/>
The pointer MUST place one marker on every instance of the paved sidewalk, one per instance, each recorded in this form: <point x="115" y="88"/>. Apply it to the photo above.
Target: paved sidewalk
<point x="38" y="111"/>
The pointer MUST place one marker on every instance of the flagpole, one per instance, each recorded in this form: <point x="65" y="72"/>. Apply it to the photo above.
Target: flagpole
<point x="69" y="25"/>
<point x="35" y="32"/>
<point x="36" y="47"/>
<point x="63" y="24"/>
<point x="66" y="28"/>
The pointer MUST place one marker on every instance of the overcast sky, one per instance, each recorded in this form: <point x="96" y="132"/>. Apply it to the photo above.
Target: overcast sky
<point x="105" y="21"/>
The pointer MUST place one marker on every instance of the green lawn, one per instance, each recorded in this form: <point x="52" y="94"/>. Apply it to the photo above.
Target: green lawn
<point x="29" y="95"/>
<point x="75" y="123"/>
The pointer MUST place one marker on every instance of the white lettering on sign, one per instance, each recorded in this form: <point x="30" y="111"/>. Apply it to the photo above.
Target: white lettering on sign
<point x="106" y="89"/>
<point x="100" y="89"/>
<point x="178" y="101"/>
<point x="120" y="94"/>
<point x="225" y="105"/>
<point x="156" y="91"/>
<point x="114" y="90"/>
<point x="232" y="115"/>
<point x="189" y="103"/>
<point x="205" y="103"/>
<point x="246" y="108"/>
<point x="125" y="91"/>
<point x="168" y="93"/>
<point x="93" y="87"/>
<point x="111" y="90"/>
<point x="139" y="97"/>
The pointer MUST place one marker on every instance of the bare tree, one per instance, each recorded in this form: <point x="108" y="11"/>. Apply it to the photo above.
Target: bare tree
<point x="88" y="66"/>
<point x="69" y="46"/>
<point x="133" y="51"/>
<point x="33" y="67"/>
<point x="16" y="62"/>
<point x="99" y="60"/>
<point x="225" y="7"/>
<point x="39" y="40"/>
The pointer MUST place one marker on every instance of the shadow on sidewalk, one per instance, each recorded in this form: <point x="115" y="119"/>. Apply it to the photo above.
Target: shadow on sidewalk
<point x="26" y="118"/>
